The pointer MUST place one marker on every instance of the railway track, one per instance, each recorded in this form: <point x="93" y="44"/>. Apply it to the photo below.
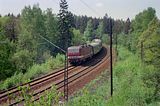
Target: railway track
<point x="40" y="85"/>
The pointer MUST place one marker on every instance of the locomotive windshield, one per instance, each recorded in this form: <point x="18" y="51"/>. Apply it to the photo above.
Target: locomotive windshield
<point x="73" y="49"/>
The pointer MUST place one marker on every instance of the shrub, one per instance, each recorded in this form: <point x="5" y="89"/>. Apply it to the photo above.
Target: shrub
<point x="34" y="71"/>
<point x="130" y="88"/>
<point x="23" y="60"/>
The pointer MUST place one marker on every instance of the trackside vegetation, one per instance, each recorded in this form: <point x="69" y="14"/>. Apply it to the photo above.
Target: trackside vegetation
<point x="33" y="72"/>
<point x="24" y="55"/>
<point x="137" y="71"/>
<point x="47" y="98"/>
<point x="130" y="88"/>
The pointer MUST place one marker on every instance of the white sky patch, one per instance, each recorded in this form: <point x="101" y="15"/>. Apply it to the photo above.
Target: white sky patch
<point x="99" y="4"/>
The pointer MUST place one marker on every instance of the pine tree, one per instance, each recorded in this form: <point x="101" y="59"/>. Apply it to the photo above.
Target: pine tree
<point x="106" y="23"/>
<point x="65" y="24"/>
<point x="88" y="33"/>
<point x="127" y="26"/>
<point x="100" y="31"/>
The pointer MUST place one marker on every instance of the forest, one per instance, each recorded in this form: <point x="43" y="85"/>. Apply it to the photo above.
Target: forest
<point x="22" y="45"/>
<point x="24" y="55"/>
<point x="136" y="73"/>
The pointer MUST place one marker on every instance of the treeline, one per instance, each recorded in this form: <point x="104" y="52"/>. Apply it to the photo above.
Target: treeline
<point x="143" y="39"/>
<point x="22" y="45"/>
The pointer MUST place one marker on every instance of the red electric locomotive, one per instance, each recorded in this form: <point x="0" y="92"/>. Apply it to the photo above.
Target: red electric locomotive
<point x="78" y="54"/>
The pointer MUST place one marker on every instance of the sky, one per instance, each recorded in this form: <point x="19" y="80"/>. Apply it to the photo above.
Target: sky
<point x="118" y="9"/>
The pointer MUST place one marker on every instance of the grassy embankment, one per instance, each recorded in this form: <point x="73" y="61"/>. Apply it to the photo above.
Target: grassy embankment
<point x="129" y="87"/>
<point x="35" y="71"/>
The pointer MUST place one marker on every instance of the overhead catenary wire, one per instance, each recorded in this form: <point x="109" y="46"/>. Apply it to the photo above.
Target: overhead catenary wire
<point x="90" y="8"/>
<point x="85" y="5"/>
<point x="52" y="43"/>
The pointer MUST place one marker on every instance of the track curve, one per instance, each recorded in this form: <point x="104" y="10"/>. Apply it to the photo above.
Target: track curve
<point x="77" y="76"/>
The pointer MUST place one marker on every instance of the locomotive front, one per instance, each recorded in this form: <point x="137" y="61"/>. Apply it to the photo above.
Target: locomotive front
<point x="74" y="54"/>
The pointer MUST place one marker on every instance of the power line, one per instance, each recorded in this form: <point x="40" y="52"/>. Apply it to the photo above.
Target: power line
<point x="90" y="8"/>
<point x="52" y="43"/>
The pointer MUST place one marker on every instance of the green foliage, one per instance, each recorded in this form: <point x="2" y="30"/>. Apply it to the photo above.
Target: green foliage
<point x="3" y="21"/>
<point x="150" y="50"/>
<point x="47" y="98"/>
<point x="30" y="48"/>
<point x="88" y="33"/>
<point x="33" y="23"/>
<point x="81" y="22"/>
<point x="10" y="82"/>
<point x="127" y="26"/>
<point x="7" y="49"/>
<point x="122" y="39"/>
<point x="138" y="25"/>
<point x="118" y="26"/>
<point x="21" y="49"/>
<point x="128" y="88"/>
<point x="145" y="30"/>
<point x="77" y="38"/>
<point x="150" y="39"/>
<point x="105" y="39"/>
<point x="34" y="71"/>
<point x="100" y="31"/>
<point x="31" y="26"/>
<point x="151" y="79"/>
<point x="65" y="23"/>
<point x="22" y="59"/>
<point x="143" y="19"/>
<point x="51" y="26"/>
<point x="132" y="87"/>
<point x="130" y="81"/>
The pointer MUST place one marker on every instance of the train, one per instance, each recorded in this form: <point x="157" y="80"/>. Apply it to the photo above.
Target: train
<point x="80" y="53"/>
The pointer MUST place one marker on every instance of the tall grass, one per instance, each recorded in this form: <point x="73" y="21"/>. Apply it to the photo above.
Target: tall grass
<point x="129" y="86"/>
<point x="35" y="71"/>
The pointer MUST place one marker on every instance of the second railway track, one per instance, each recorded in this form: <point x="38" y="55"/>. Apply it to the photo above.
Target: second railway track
<point x="44" y="83"/>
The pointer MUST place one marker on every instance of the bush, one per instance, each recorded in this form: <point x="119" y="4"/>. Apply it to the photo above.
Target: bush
<point x="10" y="82"/>
<point x="130" y="88"/>
<point x="34" y="71"/>
<point x="130" y="78"/>
<point x="105" y="39"/>
<point x="151" y="79"/>
<point x="23" y="60"/>
<point x="78" y="38"/>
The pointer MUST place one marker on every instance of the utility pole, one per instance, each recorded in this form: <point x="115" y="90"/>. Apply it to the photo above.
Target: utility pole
<point x="64" y="28"/>
<point x="111" y="69"/>
<point x="65" y="67"/>
<point x="66" y="79"/>
<point x="66" y="74"/>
